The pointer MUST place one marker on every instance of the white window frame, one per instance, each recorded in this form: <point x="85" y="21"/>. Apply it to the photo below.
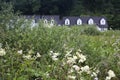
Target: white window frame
<point x="79" y="22"/>
<point x="52" y="22"/>
<point x="45" y="21"/>
<point x="102" y="21"/>
<point x="67" y="22"/>
<point x="90" y="21"/>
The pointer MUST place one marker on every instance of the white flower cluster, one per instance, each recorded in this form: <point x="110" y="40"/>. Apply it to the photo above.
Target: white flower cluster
<point x="82" y="58"/>
<point x="110" y="75"/>
<point x="74" y="62"/>
<point x="28" y="56"/>
<point x="71" y="59"/>
<point x="86" y="69"/>
<point x="54" y="56"/>
<point x="2" y="52"/>
<point x="20" y="52"/>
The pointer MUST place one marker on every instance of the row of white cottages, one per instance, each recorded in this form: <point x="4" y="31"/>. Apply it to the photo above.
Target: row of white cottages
<point x="100" y="22"/>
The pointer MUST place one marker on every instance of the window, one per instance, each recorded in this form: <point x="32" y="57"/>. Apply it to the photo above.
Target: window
<point x="67" y="22"/>
<point x="52" y="22"/>
<point x="45" y="21"/>
<point x="33" y="23"/>
<point x="79" y="22"/>
<point x="102" y="21"/>
<point x="90" y="21"/>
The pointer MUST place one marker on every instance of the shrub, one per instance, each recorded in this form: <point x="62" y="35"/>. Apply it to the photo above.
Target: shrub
<point x="91" y="30"/>
<point x="7" y="19"/>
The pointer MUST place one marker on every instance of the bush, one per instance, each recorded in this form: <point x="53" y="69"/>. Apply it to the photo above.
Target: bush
<point x="91" y="30"/>
<point x="7" y="19"/>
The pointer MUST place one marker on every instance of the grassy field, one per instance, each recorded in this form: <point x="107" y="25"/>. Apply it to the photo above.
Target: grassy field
<point x="59" y="53"/>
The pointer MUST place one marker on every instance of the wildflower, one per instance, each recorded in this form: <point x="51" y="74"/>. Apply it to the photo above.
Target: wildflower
<point x="2" y="52"/>
<point x="108" y="78"/>
<point x="55" y="56"/>
<point x="47" y="74"/>
<point x="75" y="57"/>
<point x="51" y="52"/>
<point x="71" y="70"/>
<point x="30" y="51"/>
<point x="86" y="69"/>
<point x="20" y="52"/>
<point x="38" y="55"/>
<point x="76" y="67"/>
<point x="82" y="57"/>
<point x="71" y="60"/>
<point x="71" y="77"/>
<point x="97" y="71"/>
<point x="94" y="74"/>
<point x="79" y="50"/>
<point x="96" y="78"/>
<point x="111" y="73"/>
<point x="27" y="56"/>
<point x="68" y="53"/>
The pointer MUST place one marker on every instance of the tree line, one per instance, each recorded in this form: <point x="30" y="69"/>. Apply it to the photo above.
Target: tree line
<point x="108" y="8"/>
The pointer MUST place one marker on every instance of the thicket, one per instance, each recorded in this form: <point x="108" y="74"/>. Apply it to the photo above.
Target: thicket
<point x="57" y="53"/>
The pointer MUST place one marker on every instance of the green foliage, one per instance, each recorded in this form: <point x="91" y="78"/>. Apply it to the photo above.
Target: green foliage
<point x="44" y="52"/>
<point x="7" y="18"/>
<point x="91" y="30"/>
<point x="24" y="43"/>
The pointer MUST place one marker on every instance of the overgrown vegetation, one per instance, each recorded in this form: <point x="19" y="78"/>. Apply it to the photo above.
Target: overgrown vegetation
<point x="40" y="53"/>
<point x="57" y="53"/>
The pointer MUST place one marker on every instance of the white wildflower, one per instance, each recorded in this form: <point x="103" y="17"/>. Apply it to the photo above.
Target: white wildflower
<point x="96" y="78"/>
<point x="68" y="53"/>
<point x="30" y="51"/>
<point x="2" y="52"/>
<point x="71" y="60"/>
<point x="86" y="69"/>
<point x="70" y="71"/>
<point x="82" y="58"/>
<point x="97" y="71"/>
<point x="111" y="73"/>
<point x="38" y="55"/>
<point x="108" y="78"/>
<point x="94" y="74"/>
<point x="71" y="77"/>
<point x="54" y="56"/>
<point x="75" y="57"/>
<point x="78" y="54"/>
<point x="76" y="67"/>
<point x="20" y="52"/>
<point x="47" y="74"/>
<point x="79" y="50"/>
<point x="27" y="56"/>
<point x="51" y="52"/>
